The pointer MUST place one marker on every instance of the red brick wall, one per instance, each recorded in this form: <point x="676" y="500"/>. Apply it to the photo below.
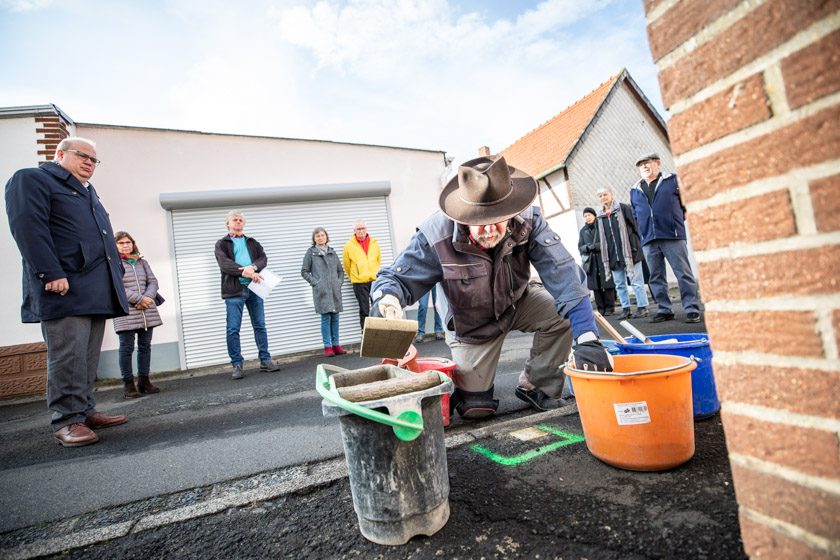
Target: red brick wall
<point x="754" y="94"/>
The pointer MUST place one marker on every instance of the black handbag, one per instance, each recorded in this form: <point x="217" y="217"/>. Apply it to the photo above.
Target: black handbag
<point x="159" y="299"/>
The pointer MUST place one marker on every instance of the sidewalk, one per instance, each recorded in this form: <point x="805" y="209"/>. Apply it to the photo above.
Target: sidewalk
<point x="215" y="468"/>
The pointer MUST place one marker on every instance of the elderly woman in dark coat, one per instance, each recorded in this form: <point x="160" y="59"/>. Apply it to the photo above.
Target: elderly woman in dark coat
<point x="589" y="246"/>
<point x="322" y="268"/>
<point x="141" y="288"/>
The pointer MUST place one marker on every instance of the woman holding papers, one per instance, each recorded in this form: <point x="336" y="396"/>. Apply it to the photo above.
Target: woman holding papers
<point x="141" y="288"/>
<point x="323" y="270"/>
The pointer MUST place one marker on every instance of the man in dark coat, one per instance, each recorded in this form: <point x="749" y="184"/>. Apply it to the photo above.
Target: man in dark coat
<point x="480" y="247"/>
<point x="72" y="280"/>
<point x="240" y="259"/>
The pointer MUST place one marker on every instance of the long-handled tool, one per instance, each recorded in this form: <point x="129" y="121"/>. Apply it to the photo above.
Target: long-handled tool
<point x="643" y="337"/>
<point x="609" y="328"/>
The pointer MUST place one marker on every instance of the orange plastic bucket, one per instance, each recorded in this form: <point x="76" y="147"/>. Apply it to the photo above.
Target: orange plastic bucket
<point x="638" y="417"/>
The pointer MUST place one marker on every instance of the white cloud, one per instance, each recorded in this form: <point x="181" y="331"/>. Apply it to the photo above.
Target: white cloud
<point x="23" y="6"/>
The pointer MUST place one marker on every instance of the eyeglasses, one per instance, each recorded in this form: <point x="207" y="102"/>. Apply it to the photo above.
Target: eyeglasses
<point x="86" y="157"/>
<point x="360" y="229"/>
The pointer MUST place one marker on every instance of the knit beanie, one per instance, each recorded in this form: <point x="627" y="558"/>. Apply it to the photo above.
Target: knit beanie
<point x="589" y="210"/>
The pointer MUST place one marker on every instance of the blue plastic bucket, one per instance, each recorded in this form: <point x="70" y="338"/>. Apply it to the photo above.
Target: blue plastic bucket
<point x="690" y="345"/>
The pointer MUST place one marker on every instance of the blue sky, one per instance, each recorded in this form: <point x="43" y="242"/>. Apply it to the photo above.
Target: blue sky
<point x="436" y="74"/>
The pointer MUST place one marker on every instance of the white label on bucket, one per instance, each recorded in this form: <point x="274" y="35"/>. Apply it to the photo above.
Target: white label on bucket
<point x="632" y="413"/>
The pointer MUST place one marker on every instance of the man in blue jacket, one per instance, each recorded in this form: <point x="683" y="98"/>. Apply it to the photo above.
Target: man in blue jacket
<point x="660" y="216"/>
<point x="481" y="247"/>
<point x="72" y="280"/>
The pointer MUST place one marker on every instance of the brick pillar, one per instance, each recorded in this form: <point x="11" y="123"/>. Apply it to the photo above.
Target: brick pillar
<point x="51" y="129"/>
<point x="754" y="92"/>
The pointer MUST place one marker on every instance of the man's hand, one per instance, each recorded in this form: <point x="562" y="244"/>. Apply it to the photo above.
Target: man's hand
<point x="591" y="356"/>
<point x="144" y="303"/>
<point x="60" y="286"/>
<point x="251" y="272"/>
<point x="390" y="308"/>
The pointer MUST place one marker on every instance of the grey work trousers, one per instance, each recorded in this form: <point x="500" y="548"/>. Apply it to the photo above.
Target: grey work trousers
<point x="73" y="346"/>
<point x="675" y="251"/>
<point x="552" y="343"/>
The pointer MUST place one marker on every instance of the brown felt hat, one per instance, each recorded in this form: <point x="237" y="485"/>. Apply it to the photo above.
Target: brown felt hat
<point x="487" y="191"/>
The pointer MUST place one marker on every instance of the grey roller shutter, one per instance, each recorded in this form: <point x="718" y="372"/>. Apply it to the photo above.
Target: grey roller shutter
<point x="285" y="232"/>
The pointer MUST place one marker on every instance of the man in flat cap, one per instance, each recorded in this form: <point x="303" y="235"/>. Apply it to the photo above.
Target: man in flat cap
<point x="480" y="246"/>
<point x="660" y="216"/>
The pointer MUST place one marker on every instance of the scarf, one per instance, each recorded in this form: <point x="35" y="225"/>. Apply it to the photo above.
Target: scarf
<point x="625" y="241"/>
<point x="130" y="259"/>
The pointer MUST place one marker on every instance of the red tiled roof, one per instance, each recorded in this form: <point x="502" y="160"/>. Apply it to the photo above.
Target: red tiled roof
<point x="546" y="147"/>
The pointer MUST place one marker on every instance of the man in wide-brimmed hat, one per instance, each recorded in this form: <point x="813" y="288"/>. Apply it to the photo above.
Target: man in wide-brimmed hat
<point x="481" y="247"/>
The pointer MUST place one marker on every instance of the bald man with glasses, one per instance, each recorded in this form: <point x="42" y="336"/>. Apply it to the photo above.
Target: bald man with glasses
<point x="72" y="280"/>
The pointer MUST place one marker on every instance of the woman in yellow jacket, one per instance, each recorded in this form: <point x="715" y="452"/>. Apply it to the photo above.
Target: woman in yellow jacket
<point x="361" y="263"/>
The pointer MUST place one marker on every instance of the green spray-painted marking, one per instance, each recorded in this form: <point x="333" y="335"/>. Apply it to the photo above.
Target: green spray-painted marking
<point x="568" y="439"/>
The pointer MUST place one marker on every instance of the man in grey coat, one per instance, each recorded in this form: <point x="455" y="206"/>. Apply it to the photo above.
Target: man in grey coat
<point x="72" y="280"/>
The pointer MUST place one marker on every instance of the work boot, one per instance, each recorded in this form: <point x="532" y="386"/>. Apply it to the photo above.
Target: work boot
<point x="338" y="350"/>
<point x="661" y="317"/>
<point x="237" y="372"/>
<point x="146" y="386"/>
<point x="625" y="314"/>
<point x="329" y="352"/>
<point x="542" y="402"/>
<point x="473" y="405"/>
<point x="640" y="312"/>
<point x="130" y="390"/>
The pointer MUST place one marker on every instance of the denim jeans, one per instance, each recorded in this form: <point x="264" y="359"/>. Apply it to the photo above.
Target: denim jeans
<point x="256" y="311"/>
<point x="676" y="252"/>
<point x="620" y="277"/>
<point x="329" y="329"/>
<point x="144" y="352"/>
<point x="422" y="307"/>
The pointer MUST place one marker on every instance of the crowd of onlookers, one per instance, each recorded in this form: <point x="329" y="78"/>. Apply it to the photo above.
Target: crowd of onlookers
<point x="478" y="251"/>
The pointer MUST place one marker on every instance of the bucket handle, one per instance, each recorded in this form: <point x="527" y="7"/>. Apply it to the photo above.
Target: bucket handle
<point x="620" y="373"/>
<point x="407" y="426"/>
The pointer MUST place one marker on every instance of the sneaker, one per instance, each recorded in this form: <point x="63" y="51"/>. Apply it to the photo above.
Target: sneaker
<point x="692" y="317"/>
<point x="625" y="314"/>
<point x="338" y="350"/>
<point x="440" y="336"/>
<point x="419" y="338"/>
<point x="542" y="402"/>
<point x="660" y="317"/>
<point x="269" y="365"/>
<point x="608" y="312"/>
<point x="329" y="352"/>
<point x="640" y="312"/>
<point x="237" y="372"/>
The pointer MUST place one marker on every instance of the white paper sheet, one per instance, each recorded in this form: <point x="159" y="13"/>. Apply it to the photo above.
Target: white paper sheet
<point x="269" y="280"/>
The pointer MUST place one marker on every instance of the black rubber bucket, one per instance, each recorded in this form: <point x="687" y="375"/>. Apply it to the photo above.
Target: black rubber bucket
<point x="394" y="446"/>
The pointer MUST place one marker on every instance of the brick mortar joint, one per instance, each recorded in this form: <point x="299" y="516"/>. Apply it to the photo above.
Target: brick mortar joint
<point x="793" y="243"/>
<point x="788" y="474"/>
<point x="804" y="38"/>
<point x="792" y="531"/>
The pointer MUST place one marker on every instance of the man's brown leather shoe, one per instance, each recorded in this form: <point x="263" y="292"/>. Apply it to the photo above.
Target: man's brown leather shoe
<point x="75" y="435"/>
<point x="101" y="420"/>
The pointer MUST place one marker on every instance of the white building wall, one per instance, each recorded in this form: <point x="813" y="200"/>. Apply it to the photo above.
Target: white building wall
<point x="18" y="149"/>
<point x="140" y="164"/>
<point x="564" y="224"/>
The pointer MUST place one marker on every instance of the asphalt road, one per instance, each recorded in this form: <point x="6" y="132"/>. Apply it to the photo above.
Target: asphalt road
<point x="200" y="430"/>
